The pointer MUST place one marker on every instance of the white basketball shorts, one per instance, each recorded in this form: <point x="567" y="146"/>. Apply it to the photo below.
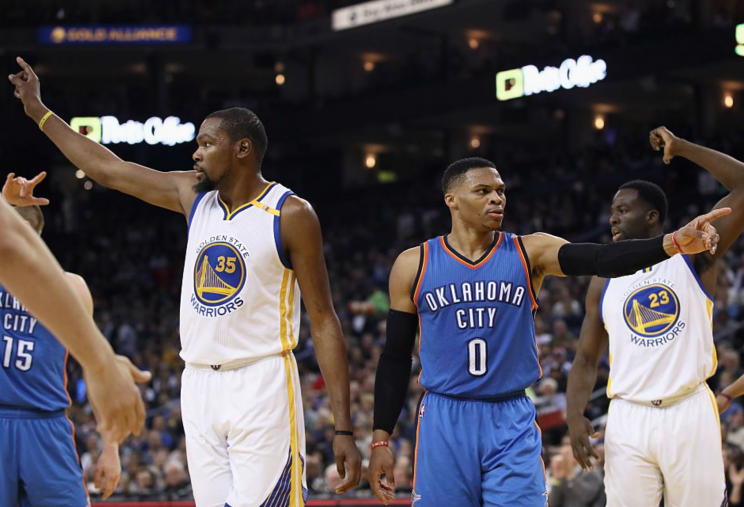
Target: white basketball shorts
<point x="245" y="434"/>
<point x="673" y="451"/>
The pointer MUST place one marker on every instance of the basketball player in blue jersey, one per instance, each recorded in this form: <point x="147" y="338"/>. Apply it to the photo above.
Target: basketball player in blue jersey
<point x="30" y="272"/>
<point x="253" y="247"/>
<point x="39" y="465"/>
<point x="471" y="295"/>
<point x="658" y="325"/>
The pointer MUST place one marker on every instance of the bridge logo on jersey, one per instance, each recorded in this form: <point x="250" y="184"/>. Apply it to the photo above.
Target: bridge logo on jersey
<point x="219" y="276"/>
<point x="652" y="313"/>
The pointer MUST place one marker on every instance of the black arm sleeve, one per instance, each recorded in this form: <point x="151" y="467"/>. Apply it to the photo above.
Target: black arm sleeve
<point x="612" y="260"/>
<point x="394" y="369"/>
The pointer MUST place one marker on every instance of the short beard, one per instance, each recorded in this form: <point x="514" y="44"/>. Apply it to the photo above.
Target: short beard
<point x="205" y="185"/>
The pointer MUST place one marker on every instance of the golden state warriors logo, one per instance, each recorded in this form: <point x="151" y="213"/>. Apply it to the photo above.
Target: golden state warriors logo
<point x="652" y="311"/>
<point x="219" y="276"/>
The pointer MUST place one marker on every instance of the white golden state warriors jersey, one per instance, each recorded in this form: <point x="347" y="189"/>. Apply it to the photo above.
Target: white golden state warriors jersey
<point x="660" y="325"/>
<point x="239" y="299"/>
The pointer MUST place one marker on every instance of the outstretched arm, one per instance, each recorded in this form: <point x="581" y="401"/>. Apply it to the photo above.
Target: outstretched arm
<point x="301" y="234"/>
<point x="727" y="170"/>
<point x="171" y="190"/>
<point x="583" y="375"/>
<point x="551" y="255"/>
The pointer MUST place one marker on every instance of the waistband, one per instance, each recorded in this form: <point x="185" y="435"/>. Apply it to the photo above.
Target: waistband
<point x="232" y="365"/>
<point x="671" y="400"/>
<point x="499" y="397"/>
<point x="7" y="412"/>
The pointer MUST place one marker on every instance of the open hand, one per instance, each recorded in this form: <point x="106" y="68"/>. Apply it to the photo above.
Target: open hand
<point x="19" y="191"/>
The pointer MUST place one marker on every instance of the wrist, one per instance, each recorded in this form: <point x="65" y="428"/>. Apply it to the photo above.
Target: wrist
<point x="36" y="111"/>
<point x="378" y="435"/>
<point x="670" y="245"/>
<point x="379" y="443"/>
<point x="727" y="396"/>
<point x="681" y="147"/>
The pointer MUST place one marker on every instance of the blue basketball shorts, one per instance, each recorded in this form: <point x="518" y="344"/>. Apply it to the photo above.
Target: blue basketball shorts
<point x="472" y="453"/>
<point x="39" y="465"/>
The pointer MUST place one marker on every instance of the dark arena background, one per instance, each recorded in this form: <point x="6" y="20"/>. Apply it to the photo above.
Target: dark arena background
<point x="364" y="109"/>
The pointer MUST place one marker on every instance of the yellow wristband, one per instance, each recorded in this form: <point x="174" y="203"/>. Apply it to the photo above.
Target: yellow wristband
<point x="44" y="120"/>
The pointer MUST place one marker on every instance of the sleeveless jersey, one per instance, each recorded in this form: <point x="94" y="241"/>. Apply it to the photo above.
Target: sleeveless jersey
<point x="32" y="361"/>
<point x="659" y="322"/>
<point x="476" y="320"/>
<point x="239" y="298"/>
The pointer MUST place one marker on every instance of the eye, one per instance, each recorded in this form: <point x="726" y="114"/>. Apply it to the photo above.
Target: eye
<point x="207" y="144"/>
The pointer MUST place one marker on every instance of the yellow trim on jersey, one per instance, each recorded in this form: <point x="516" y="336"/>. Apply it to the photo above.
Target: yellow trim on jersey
<point x="296" y="437"/>
<point x="609" y="380"/>
<point x="254" y="202"/>
<point x="709" y="308"/>
<point x="295" y="498"/>
<point x="291" y="303"/>
<point x="715" y="410"/>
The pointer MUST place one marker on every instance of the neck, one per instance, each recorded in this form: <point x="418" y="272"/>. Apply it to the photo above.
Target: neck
<point x="242" y="189"/>
<point x="468" y="241"/>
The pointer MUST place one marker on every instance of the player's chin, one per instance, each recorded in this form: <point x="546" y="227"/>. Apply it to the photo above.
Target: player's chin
<point x="493" y="224"/>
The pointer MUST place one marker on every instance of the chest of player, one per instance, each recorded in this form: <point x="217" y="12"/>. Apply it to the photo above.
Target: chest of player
<point x="656" y="306"/>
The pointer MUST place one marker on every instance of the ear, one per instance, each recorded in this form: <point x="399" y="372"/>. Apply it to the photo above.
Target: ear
<point x="652" y="217"/>
<point x="450" y="201"/>
<point x="244" y="148"/>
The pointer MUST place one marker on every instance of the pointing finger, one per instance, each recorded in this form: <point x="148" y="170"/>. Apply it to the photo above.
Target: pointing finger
<point x="26" y="66"/>
<point x="716" y="213"/>
<point x="38" y="178"/>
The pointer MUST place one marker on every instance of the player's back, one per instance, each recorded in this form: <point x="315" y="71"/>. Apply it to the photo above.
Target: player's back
<point x="32" y="361"/>
<point x="476" y="320"/>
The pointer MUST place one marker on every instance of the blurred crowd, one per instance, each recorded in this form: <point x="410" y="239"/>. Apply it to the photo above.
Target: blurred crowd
<point x="132" y="257"/>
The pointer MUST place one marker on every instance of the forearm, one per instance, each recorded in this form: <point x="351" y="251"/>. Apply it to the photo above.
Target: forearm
<point x="330" y="351"/>
<point x="30" y="272"/>
<point x="581" y="381"/>
<point x="614" y="259"/>
<point x="726" y="169"/>
<point x="735" y="389"/>
<point x="109" y="444"/>
<point x="736" y="494"/>
<point x="391" y="387"/>
<point x="93" y="158"/>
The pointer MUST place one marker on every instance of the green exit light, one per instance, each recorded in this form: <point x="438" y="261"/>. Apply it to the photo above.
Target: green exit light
<point x="740" y="40"/>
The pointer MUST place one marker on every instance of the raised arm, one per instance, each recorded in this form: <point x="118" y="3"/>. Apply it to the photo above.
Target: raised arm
<point x="583" y="375"/>
<point x="171" y="190"/>
<point x="727" y="170"/>
<point x="301" y="234"/>
<point x="30" y="272"/>
<point x="394" y="371"/>
<point x="551" y="255"/>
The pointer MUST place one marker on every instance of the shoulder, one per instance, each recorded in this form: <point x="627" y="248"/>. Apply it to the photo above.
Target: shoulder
<point x="408" y="261"/>
<point x="541" y="239"/>
<point x="297" y="208"/>
<point x="81" y="289"/>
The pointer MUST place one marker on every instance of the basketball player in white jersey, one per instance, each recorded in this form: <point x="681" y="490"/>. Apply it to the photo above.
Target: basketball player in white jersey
<point x="252" y="247"/>
<point x="663" y="431"/>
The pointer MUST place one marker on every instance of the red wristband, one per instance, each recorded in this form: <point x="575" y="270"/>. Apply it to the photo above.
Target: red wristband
<point x="379" y="443"/>
<point x="676" y="245"/>
<point x="725" y="396"/>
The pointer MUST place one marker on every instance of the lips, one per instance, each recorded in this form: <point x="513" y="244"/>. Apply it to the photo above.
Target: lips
<point x="617" y="234"/>
<point x="495" y="213"/>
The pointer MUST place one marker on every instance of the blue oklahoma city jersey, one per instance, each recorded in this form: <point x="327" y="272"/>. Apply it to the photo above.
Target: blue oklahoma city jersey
<point x="477" y="329"/>
<point x="32" y="361"/>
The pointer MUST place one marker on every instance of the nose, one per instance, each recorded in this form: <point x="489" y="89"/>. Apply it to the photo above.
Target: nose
<point x="496" y="198"/>
<point x="614" y="220"/>
<point x="197" y="157"/>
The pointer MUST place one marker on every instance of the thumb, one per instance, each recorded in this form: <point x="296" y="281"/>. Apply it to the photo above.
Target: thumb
<point x="340" y="468"/>
<point x="99" y="478"/>
<point x="139" y="376"/>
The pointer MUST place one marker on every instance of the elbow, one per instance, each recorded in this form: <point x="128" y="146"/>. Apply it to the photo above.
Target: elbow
<point x="12" y="238"/>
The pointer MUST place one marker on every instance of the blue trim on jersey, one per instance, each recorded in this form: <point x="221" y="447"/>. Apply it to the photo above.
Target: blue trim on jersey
<point x="277" y="232"/>
<point x="601" y="299"/>
<point x="198" y="199"/>
<point x="695" y="274"/>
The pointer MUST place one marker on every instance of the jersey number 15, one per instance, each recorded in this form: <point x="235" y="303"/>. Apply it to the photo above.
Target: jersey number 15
<point x="23" y="355"/>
